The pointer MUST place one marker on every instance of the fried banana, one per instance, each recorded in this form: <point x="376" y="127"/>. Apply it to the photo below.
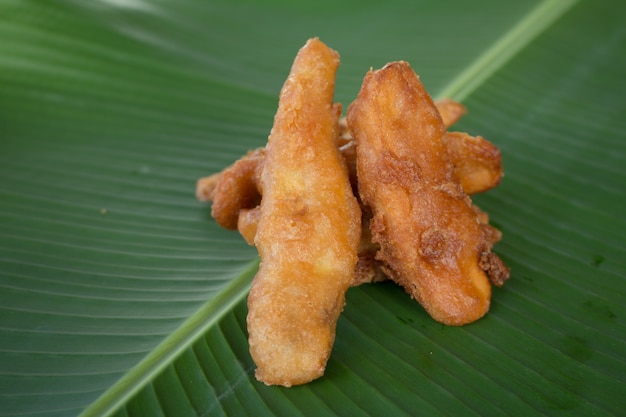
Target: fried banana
<point x="233" y="189"/>
<point x="431" y="239"/>
<point x="308" y="228"/>
<point x="477" y="162"/>
<point x="450" y="111"/>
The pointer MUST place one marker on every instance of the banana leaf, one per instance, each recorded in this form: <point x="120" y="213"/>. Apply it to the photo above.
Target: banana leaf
<point x="119" y="295"/>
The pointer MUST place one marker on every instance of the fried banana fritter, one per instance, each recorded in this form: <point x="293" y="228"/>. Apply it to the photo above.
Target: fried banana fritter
<point x="450" y="111"/>
<point x="329" y="203"/>
<point x="234" y="189"/>
<point x="477" y="162"/>
<point x="431" y="239"/>
<point x="308" y="228"/>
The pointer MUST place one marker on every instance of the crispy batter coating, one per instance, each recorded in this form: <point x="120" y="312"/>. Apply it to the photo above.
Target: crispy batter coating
<point x="431" y="239"/>
<point x="248" y="223"/>
<point x="308" y="228"/>
<point x="205" y="187"/>
<point x="368" y="268"/>
<point x="451" y="111"/>
<point x="234" y="189"/>
<point x="477" y="162"/>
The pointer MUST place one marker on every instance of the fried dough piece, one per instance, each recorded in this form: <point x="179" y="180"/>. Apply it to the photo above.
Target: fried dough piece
<point x="368" y="269"/>
<point x="431" y="239"/>
<point x="205" y="187"/>
<point x="477" y="162"/>
<point x="248" y="223"/>
<point x="308" y="229"/>
<point x="234" y="189"/>
<point x="450" y="110"/>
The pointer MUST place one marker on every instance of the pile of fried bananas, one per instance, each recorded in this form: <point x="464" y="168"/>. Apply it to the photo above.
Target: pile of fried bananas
<point x="333" y="202"/>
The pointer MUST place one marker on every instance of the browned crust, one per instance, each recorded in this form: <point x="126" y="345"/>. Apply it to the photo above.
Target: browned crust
<point x="430" y="237"/>
<point x="308" y="228"/>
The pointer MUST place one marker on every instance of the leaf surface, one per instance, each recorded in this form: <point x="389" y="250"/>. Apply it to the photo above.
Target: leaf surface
<point x="119" y="295"/>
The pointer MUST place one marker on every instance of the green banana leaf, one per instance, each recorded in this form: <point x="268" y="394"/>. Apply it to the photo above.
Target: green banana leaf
<point x="119" y="295"/>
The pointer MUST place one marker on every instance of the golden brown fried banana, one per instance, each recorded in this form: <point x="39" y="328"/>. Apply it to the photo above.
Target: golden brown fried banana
<point x="248" y="223"/>
<point x="451" y="111"/>
<point x="308" y="230"/>
<point x="477" y="162"/>
<point x="234" y="189"/>
<point x="205" y="187"/>
<point x="368" y="268"/>
<point x="431" y="239"/>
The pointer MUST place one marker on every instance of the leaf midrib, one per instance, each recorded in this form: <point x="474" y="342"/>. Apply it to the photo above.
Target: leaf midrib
<point x="509" y="45"/>
<point x="172" y="346"/>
